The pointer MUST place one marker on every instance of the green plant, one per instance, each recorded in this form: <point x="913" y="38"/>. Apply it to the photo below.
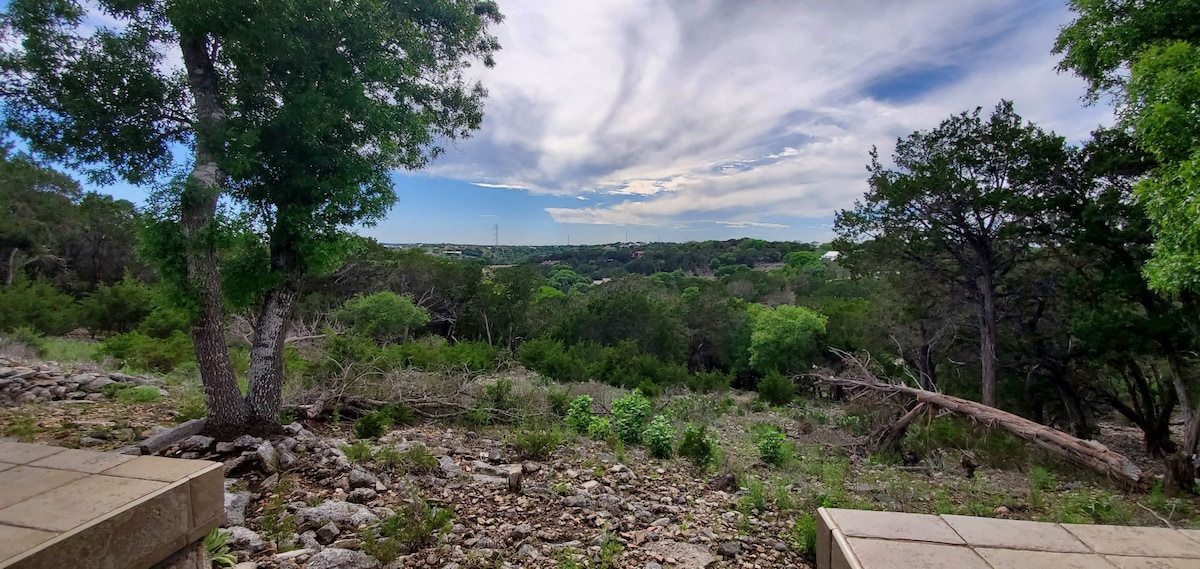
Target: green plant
<point x="659" y="437"/>
<point x="358" y="451"/>
<point x="776" y="389"/>
<point x="559" y="401"/>
<point x="217" y="546"/>
<point x="499" y="398"/>
<point x="128" y="394"/>
<point x="630" y="414"/>
<point x="610" y="552"/>
<point x="384" y="316"/>
<point x="771" y="446"/>
<point x="417" y="460"/>
<point x="276" y="524"/>
<point x="371" y="425"/>
<point x="415" y="526"/>
<point x="22" y="428"/>
<point x="579" y="415"/>
<point x="698" y="447"/>
<point x="599" y="429"/>
<point x="29" y="338"/>
<point x="535" y="443"/>
<point x="755" y="498"/>
<point x="804" y="537"/>
<point x="142" y="352"/>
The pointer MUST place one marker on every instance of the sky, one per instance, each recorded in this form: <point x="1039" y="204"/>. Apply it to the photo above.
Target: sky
<point x="680" y="120"/>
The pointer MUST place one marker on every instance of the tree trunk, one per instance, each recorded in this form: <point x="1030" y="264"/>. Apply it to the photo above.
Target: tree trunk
<point x="987" y="339"/>
<point x="222" y="398"/>
<point x="11" y="266"/>
<point x="1076" y="416"/>
<point x="926" y="367"/>
<point x="270" y="335"/>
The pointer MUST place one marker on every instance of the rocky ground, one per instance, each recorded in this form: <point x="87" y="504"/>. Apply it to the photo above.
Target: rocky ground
<point x="316" y="498"/>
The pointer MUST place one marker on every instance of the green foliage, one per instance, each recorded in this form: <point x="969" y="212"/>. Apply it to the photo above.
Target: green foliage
<point x="629" y="415"/>
<point x="416" y="525"/>
<point x="771" y="447"/>
<point x="537" y="443"/>
<point x="804" y="536"/>
<point x="276" y="523"/>
<point x="559" y="400"/>
<point x="38" y="306"/>
<point x="499" y="396"/>
<point x="709" y="381"/>
<point x="698" y="447"/>
<point x="130" y="394"/>
<point x="417" y="459"/>
<point x="370" y="426"/>
<point x="22" y="428"/>
<point x="755" y="498"/>
<point x="119" y="308"/>
<point x="776" y="389"/>
<point x="141" y="352"/>
<point x="599" y="429"/>
<point x="28" y="337"/>
<point x="660" y="437"/>
<point x="358" y="451"/>
<point x="786" y="338"/>
<point x="579" y="416"/>
<point x="991" y="447"/>
<point x="385" y="316"/>
<point x="216" y="544"/>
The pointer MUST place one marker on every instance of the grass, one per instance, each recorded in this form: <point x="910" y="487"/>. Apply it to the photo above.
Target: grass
<point x="69" y="350"/>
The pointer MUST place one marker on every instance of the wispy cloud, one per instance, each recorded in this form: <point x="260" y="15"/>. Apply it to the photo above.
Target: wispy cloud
<point x="667" y="110"/>
<point x="752" y="224"/>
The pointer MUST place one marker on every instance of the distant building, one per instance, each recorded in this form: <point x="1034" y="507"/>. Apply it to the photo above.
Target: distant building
<point x="831" y="255"/>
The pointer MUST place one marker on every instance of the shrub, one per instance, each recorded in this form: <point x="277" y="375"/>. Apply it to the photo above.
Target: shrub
<point x="216" y="544"/>
<point x="708" y="381"/>
<point x="370" y="425"/>
<point x="29" y="338"/>
<point x="776" y="389"/>
<point x="559" y="401"/>
<point x="771" y="447"/>
<point x="499" y="396"/>
<point x="415" y="526"/>
<point x="162" y="321"/>
<point x="384" y="316"/>
<point x="142" y="352"/>
<point x="415" y="460"/>
<point x="804" y="536"/>
<point x="579" y="416"/>
<point x="128" y="394"/>
<point x="39" y="306"/>
<point x="116" y="308"/>
<point x="599" y="429"/>
<point x="473" y="356"/>
<point x="630" y="414"/>
<point x="698" y="447"/>
<point x="537" y="444"/>
<point x="659" y="437"/>
<point x="358" y="451"/>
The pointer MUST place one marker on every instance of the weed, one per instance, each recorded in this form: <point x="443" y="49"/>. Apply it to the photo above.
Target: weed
<point x="804" y="537"/>
<point x="499" y="396"/>
<point x="1040" y="480"/>
<point x="192" y="407"/>
<point x="659" y="437"/>
<point x="537" y="444"/>
<point x="771" y="447"/>
<point x="217" y="546"/>
<point x="579" y="416"/>
<point x="559" y="400"/>
<point x="776" y="389"/>
<point x="358" y="451"/>
<point x="698" y="447"/>
<point x="755" y="498"/>
<point x="630" y="414"/>
<point x="369" y="426"/>
<point x="416" y="525"/>
<point x="22" y="428"/>
<point x="277" y="525"/>
<point x="416" y="460"/>
<point x="610" y="552"/>
<point x="599" y="429"/>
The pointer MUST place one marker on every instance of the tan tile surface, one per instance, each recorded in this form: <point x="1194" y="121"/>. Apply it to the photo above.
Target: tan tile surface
<point x="5" y="466"/>
<point x="24" y="482"/>
<point x="158" y="468"/>
<point x="1192" y="533"/>
<point x="14" y="540"/>
<point x="208" y="496"/>
<point x="1024" y="559"/>
<point x="83" y="500"/>
<point x="1015" y="534"/>
<point x="22" y="453"/>
<point x="1136" y="541"/>
<point x="895" y="525"/>
<point x="1152" y="563"/>
<point x="82" y="461"/>
<point x="824" y="538"/>
<point x="841" y="557"/>
<point x="884" y="554"/>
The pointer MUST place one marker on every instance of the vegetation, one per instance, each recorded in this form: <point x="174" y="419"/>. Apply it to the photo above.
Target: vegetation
<point x="660" y="437"/>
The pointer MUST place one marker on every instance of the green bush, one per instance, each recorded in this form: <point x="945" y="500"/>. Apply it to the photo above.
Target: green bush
<point x="370" y="425"/>
<point x="142" y="352"/>
<point x="599" y="429"/>
<point x="537" y="443"/>
<point x="771" y="446"/>
<point x="579" y="416"/>
<point x="119" y="307"/>
<point x="415" y="460"/>
<point x="698" y="447"/>
<point x="776" y="389"/>
<point x="415" y="526"/>
<point x="384" y="316"/>
<point x="804" y="536"/>
<point x="358" y="451"/>
<point x="630" y="414"/>
<point x="129" y="394"/>
<point x="163" y="321"/>
<point x="39" y="306"/>
<point x="709" y="381"/>
<point x="659" y="437"/>
<point x="29" y="338"/>
<point x="559" y="400"/>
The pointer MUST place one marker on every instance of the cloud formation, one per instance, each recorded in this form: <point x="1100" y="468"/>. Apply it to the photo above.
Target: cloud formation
<point x="664" y="112"/>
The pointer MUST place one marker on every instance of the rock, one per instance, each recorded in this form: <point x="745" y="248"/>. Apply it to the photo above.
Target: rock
<point x="686" y="555"/>
<point x="246" y="565"/>
<point x="87" y="442"/>
<point x="729" y="548"/>
<point x="197" y="443"/>
<point x="449" y="467"/>
<point x="292" y="554"/>
<point x="530" y="467"/>
<point x="97" y="385"/>
<point x="235" y="504"/>
<point x="164" y="439"/>
<point x="661" y="523"/>
<point x="333" y="558"/>
<point x="343" y="514"/>
<point x="327" y="533"/>
<point x="361" y="495"/>
<point x="244" y="539"/>
<point x="360" y="478"/>
<point x="517" y="533"/>
<point x="528" y="551"/>
<point x="247" y="442"/>
<point x="1001" y="510"/>
<point x="652" y="565"/>
<point x="308" y="540"/>
<point x="225" y="447"/>
<point x="268" y="456"/>
<point x="723" y="482"/>
<point x="590" y="485"/>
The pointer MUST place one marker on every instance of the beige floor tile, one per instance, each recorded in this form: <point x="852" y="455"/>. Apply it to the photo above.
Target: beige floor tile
<point x="14" y="540"/>
<point x="208" y="496"/>
<point x="1136" y="541"/>
<point x="895" y="525"/>
<point x="158" y="468"/>
<point x="83" y="461"/>
<point x="23" y="453"/>
<point x="68" y="506"/>
<point x="1192" y="533"/>
<point x="1153" y="563"/>
<point x="24" y="482"/>
<point x="1024" y="559"/>
<point x="5" y="466"/>
<point x="841" y="555"/>
<point x="885" y="554"/>
<point x="1015" y="534"/>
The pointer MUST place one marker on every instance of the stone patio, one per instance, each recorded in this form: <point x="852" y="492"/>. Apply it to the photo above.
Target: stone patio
<point x="854" y="539"/>
<point x="74" y="508"/>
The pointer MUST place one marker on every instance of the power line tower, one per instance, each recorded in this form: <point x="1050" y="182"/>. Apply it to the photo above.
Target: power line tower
<point x="496" y="243"/>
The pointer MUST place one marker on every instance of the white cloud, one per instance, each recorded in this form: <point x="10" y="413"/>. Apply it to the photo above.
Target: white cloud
<point x="744" y="109"/>
<point x="752" y="224"/>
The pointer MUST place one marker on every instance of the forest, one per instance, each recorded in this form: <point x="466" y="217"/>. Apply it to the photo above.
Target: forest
<point x="989" y="258"/>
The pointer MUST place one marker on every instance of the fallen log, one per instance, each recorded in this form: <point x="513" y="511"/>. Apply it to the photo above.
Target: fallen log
<point x="1089" y="454"/>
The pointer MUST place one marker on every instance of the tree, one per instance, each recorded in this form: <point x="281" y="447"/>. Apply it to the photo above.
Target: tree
<point x="963" y="202"/>
<point x="35" y="202"/>
<point x="385" y="316"/>
<point x="785" y="339"/>
<point x="295" y="110"/>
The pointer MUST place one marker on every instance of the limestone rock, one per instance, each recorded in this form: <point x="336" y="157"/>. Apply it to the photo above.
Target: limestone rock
<point x="334" y="558"/>
<point x="343" y="514"/>
<point x="244" y="539"/>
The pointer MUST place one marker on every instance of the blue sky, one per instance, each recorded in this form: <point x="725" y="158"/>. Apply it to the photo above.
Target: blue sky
<point x="676" y="120"/>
